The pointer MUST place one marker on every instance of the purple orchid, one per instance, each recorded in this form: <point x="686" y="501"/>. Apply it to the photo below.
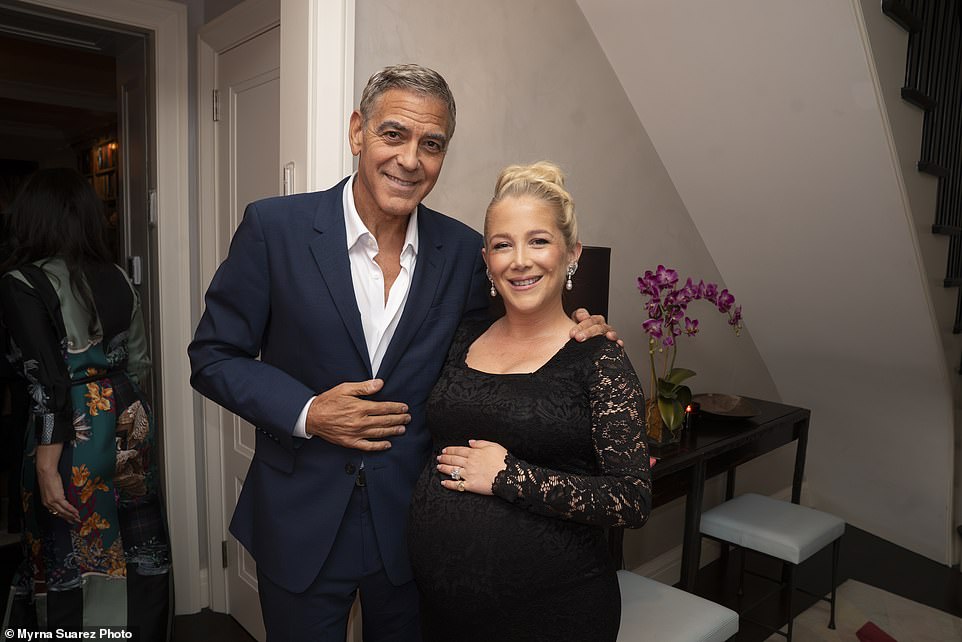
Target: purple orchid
<point x="666" y="305"/>
<point x="735" y="318"/>
<point x="664" y="277"/>
<point x="725" y="301"/>
<point x="653" y="328"/>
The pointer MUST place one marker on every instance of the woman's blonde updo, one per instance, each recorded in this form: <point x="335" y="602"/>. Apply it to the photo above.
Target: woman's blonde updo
<point x="543" y="180"/>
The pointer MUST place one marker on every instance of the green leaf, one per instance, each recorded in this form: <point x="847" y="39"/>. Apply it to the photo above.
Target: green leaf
<point x="683" y="396"/>
<point x="667" y="389"/>
<point x="672" y="413"/>
<point x="677" y="375"/>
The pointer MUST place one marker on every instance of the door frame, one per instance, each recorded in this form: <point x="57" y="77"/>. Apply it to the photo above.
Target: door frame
<point x="305" y="72"/>
<point x="167" y="21"/>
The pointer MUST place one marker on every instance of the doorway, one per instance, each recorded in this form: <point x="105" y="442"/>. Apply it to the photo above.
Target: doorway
<point x="166" y="258"/>
<point x="75" y="95"/>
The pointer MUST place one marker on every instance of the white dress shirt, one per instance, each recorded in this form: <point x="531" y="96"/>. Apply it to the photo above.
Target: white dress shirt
<point x="379" y="318"/>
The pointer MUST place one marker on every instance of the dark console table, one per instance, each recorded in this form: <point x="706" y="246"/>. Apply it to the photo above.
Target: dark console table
<point x="714" y="446"/>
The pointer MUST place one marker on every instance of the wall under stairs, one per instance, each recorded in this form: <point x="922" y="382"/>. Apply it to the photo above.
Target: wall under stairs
<point x="772" y="122"/>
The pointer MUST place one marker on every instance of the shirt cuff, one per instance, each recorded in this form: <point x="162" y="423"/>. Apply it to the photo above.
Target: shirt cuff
<point x="300" y="428"/>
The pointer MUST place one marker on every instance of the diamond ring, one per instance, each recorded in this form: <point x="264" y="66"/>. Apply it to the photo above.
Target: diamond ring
<point x="456" y="473"/>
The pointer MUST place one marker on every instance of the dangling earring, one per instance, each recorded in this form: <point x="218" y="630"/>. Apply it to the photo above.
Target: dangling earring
<point x="493" y="291"/>
<point x="572" y="268"/>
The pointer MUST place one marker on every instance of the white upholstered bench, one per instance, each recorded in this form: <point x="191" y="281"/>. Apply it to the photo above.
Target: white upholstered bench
<point x="651" y="610"/>
<point x="779" y="529"/>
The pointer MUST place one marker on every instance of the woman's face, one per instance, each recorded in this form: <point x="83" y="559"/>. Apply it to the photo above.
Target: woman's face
<point x="526" y="254"/>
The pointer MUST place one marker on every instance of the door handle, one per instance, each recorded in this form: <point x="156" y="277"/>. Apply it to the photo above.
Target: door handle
<point x="135" y="269"/>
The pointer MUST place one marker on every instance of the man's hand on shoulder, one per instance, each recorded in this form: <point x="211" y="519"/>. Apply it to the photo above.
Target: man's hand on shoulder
<point x="342" y="417"/>
<point x="591" y="325"/>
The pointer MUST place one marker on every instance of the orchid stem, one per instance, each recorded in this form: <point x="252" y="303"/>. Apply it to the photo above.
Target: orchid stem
<point x="654" y="376"/>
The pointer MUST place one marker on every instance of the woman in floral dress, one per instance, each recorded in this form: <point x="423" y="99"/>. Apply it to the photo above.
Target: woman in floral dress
<point x="95" y="542"/>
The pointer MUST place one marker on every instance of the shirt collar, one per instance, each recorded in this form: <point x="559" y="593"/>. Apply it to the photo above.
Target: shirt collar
<point x="356" y="229"/>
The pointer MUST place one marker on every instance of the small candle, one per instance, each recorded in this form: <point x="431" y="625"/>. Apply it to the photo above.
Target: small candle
<point x="691" y="410"/>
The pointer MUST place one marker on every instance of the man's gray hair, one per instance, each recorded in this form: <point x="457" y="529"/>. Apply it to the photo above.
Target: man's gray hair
<point x="414" y="78"/>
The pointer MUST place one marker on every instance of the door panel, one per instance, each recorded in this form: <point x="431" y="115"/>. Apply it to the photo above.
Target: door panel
<point x="248" y="168"/>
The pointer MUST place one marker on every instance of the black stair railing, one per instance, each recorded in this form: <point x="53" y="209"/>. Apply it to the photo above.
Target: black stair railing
<point x="933" y="82"/>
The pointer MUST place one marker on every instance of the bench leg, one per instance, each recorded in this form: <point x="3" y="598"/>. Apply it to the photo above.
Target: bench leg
<point x="835" y="549"/>
<point x="741" y="570"/>
<point x="790" y="568"/>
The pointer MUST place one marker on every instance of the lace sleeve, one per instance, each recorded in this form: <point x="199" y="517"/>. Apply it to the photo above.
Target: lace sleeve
<point x="621" y="494"/>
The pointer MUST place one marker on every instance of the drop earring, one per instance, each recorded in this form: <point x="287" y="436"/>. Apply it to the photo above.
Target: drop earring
<point x="494" y="292"/>
<point x="572" y="268"/>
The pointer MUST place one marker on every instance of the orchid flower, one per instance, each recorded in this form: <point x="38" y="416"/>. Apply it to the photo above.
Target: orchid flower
<point x="666" y="305"/>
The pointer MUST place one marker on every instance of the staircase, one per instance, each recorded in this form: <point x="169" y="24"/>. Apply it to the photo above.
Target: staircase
<point x="933" y="83"/>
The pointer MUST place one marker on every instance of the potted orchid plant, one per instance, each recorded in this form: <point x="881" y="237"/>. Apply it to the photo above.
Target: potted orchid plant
<point x="667" y="307"/>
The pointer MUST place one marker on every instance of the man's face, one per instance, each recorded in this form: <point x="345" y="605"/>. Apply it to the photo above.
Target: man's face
<point x="400" y="151"/>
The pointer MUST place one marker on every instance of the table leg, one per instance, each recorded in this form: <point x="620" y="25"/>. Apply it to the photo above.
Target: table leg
<point x="801" y="445"/>
<point x="691" y="546"/>
<point x="730" y="484"/>
<point x="729" y="493"/>
<point x="800" y="448"/>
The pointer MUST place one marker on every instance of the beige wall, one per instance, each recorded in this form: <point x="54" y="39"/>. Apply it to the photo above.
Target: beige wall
<point x="532" y="82"/>
<point x="768" y="117"/>
<point x="889" y="44"/>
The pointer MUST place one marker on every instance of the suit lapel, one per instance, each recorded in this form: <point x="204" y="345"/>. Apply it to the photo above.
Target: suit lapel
<point x="329" y="248"/>
<point x="427" y="275"/>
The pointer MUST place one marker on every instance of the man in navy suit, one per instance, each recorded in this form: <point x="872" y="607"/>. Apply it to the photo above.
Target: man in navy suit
<point x="319" y="294"/>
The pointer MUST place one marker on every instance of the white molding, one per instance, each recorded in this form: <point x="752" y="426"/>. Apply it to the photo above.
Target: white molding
<point x="317" y="90"/>
<point x="666" y="568"/>
<point x="168" y="22"/>
<point x="238" y="25"/>
<point x="247" y="20"/>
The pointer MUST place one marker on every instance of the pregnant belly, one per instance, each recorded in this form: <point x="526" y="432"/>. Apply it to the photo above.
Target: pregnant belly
<point x="482" y="547"/>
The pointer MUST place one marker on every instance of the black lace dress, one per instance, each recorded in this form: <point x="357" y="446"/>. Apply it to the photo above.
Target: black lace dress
<point x="531" y="563"/>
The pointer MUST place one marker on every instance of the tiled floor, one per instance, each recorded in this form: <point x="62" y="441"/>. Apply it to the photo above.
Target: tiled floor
<point x="865" y="558"/>
<point x="858" y="603"/>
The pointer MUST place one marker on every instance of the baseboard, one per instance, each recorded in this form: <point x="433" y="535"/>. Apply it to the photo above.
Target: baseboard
<point x="204" y="589"/>
<point x="666" y="568"/>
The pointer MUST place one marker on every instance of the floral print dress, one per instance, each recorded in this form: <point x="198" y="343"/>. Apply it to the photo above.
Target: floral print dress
<point x="111" y="569"/>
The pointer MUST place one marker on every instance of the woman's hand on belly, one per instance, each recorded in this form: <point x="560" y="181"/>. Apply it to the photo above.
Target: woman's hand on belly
<point x="472" y="468"/>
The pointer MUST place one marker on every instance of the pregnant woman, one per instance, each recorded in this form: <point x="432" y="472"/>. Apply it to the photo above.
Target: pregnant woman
<point x="539" y="446"/>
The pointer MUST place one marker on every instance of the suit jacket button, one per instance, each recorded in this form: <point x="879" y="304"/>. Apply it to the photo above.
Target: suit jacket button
<point x="350" y="469"/>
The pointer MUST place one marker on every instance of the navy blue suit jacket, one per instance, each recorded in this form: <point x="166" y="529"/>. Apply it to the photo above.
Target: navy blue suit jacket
<point x="284" y="293"/>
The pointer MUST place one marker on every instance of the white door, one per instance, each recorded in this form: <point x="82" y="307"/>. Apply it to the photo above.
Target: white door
<point x="240" y="159"/>
<point x="248" y="168"/>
